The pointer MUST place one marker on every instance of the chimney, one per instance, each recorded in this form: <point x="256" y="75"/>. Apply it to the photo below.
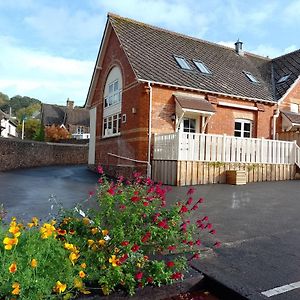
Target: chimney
<point x="239" y="47"/>
<point x="70" y="104"/>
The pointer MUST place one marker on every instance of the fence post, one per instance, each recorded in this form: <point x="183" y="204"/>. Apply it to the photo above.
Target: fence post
<point x="262" y="151"/>
<point x="224" y="148"/>
<point x="178" y="141"/>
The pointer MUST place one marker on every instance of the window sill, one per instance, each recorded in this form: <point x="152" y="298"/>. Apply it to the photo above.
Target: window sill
<point x="110" y="136"/>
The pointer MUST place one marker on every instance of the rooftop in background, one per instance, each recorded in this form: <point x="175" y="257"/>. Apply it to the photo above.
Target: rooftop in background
<point x="151" y="51"/>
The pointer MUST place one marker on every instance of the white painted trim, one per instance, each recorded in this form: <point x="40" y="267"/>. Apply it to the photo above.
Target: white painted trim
<point x="281" y="289"/>
<point x="200" y="112"/>
<point x="221" y="103"/>
<point x="205" y="91"/>
<point x="288" y="91"/>
<point x="150" y="131"/>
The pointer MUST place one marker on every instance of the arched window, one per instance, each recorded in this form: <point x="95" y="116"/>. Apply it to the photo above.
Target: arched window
<point x="112" y="103"/>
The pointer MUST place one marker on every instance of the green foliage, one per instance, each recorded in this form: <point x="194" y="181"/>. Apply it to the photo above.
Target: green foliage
<point x="28" y="112"/>
<point x="40" y="134"/>
<point x="18" y="102"/>
<point x="3" y="99"/>
<point x="31" y="128"/>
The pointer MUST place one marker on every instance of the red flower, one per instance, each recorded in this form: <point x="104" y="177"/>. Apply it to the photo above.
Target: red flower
<point x="195" y="207"/>
<point x="91" y="193"/>
<point x="100" y="180"/>
<point x="170" y="264"/>
<point x="183" y="227"/>
<point x="122" y="207"/>
<point x="120" y="178"/>
<point x="209" y="226"/>
<point x="191" y="243"/>
<point x="201" y="225"/>
<point x="191" y="191"/>
<point x="145" y="203"/>
<point x="100" y="170"/>
<point x="217" y="244"/>
<point x="205" y="219"/>
<point x="61" y="231"/>
<point x="198" y="242"/>
<point x="149" y="279"/>
<point x="196" y="256"/>
<point x="184" y="242"/>
<point x="201" y="200"/>
<point x="171" y="248"/>
<point x="163" y="224"/>
<point x="125" y="243"/>
<point x="155" y="217"/>
<point x="111" y="190"/>
<point x="176" y="275"/>
<point x="149" y="181"/>
<point x="139" y="275"/>
<point x="135" y="248"/>
<point x="123" y="258"/>
<point x="184" y="209"/>
<point x="146" y="237"/>
<point x="189" y="201"/>
<point x="212" y="231"/>
<point x="135" y="198"/>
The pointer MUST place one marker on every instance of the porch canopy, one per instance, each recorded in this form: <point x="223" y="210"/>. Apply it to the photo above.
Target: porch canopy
<point x="290" y="121"/>
<point x="195" y="105"/>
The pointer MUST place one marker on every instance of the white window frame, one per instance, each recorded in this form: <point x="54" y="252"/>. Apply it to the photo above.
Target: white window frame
<point x="111" y="125"/>
<point x="201" y="67"/>
<point x="114" y="94"/>
<point x="242" y="130"/>
<point x="294" y="108"/>
<point x="251" y="77"/>
<point x="182" y="62"/>
<point x="80" y="130"/>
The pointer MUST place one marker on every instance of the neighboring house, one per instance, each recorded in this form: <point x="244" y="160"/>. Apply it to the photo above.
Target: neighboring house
<point x="8" y="126"/>
<point x="149" y="81"/>
<point x="75" y="119"/>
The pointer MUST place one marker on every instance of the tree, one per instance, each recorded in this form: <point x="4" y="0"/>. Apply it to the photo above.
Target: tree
<point x="28" y="111"/>
<point x="55" y="133"/>
<point x="31" y="128"/>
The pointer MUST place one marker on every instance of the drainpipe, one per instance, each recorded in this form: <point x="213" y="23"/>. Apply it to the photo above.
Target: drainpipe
<point x="275" y="116"/>
<point x="149" y="131"/>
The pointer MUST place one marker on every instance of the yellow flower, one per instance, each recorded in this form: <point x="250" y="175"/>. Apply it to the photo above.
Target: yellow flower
<point x="13" y="268"/>
<point x="15" y="230"/>
<point x="113" y="260"/>
<point x="105" y="232"/>
<point x="101" y="242"/>
<point x="47" y="230"/>
<point x="86" y="221"/>
<point x="116" y="250"/>
<point x="16" y="288"/>
<point x="94" y="230"/>
<point x="81" y="274"/>
<point x="59" y="287"/>
<point x="105" y="290"/>
<point x="33" y="263"/>
<point x="73" y="257"/>
<point x="90" y="242"/>
<point x="78" y="283"/>
<point x="34" y="222"/>
<point x="9" y="242"/>
<point x="83" y="265"/>
<point x="71" y="247"/>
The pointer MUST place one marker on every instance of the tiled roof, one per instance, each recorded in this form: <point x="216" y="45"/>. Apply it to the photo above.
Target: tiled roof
<point x="197" y="103"/>
<point x="292" y="117"/>
<point x="288" y="64"/>
<point x="59" y="114"/>
<point x="151" y="51"/>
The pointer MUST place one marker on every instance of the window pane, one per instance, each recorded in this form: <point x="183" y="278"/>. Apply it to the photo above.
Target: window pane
<point x="116" y="86"/>
<point x="237" y="126"/>
<point x="192" y="124"/>
<point x="110" y="99"/>
<point x="247" y="126"/>
<point x="110" y="88"/>
<point x="105" y="102"/>
<point x="115" y="125"/>
<point x="246" y="134"/>
<point x="202" y="67"/>
<point x="237" y="133"/>
<point x="183" y="63"/>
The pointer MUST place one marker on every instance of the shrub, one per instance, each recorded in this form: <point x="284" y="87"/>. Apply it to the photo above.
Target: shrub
<point x="116" y="245"/>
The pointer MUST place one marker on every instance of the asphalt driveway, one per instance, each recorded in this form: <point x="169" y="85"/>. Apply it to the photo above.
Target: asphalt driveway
<point x="258" y="224"/>
<point x="259" y="227"/>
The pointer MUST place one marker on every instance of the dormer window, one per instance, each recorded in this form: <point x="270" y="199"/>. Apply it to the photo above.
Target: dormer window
<point x="201" y="67"/>
<point x="183" y="64"/>
<point x="251" y="77"/>
<point x="283" y="78"/>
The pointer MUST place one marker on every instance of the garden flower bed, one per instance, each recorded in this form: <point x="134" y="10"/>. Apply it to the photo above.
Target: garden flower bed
<point x="112" y="247"/>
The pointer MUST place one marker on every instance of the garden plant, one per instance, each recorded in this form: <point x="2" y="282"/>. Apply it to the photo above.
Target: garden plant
<point x="130" y="240"/>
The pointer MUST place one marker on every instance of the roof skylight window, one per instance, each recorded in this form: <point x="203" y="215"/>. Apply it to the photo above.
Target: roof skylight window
<point x="251" y="77"/>
<point x="283" y="78"/>
<point x="201" y="67"/>
<point x="182" y="63"/>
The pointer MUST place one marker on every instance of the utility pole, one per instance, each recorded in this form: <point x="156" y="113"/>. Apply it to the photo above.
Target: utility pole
<point x="23" y="125"/>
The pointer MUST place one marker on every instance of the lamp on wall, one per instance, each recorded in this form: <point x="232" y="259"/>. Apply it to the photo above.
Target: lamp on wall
<point x="173" y="117"/>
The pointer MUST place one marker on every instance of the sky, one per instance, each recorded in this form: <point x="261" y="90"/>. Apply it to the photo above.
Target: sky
<point x="48" y="48"/>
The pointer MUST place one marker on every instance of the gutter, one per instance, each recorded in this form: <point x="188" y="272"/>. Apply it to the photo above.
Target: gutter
<point x="205" y="91"/>
<point x="150" y="131"/>
<point x="275" y="116"/>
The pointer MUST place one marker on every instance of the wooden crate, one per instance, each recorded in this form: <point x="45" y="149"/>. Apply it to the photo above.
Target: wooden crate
<point x="237" y="177"/>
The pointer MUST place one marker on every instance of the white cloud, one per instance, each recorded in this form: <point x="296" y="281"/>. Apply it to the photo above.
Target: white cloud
<point x="272" y="52"/>
<point x="229" y="44"/>
<point x="41" y="75"/>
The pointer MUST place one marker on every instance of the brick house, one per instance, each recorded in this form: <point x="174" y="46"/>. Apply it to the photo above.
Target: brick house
<point x="149" y="81"/>
<point x="75" y="119"/>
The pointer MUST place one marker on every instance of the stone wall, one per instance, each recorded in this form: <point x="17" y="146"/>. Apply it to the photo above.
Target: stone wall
<point x="15" y="153"/>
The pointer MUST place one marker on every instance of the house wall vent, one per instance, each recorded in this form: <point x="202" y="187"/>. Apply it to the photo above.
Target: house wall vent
<point x="239" y="47"/>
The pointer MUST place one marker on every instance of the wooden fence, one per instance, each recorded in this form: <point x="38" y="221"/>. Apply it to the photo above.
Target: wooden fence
<point x="221" y="148"/>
